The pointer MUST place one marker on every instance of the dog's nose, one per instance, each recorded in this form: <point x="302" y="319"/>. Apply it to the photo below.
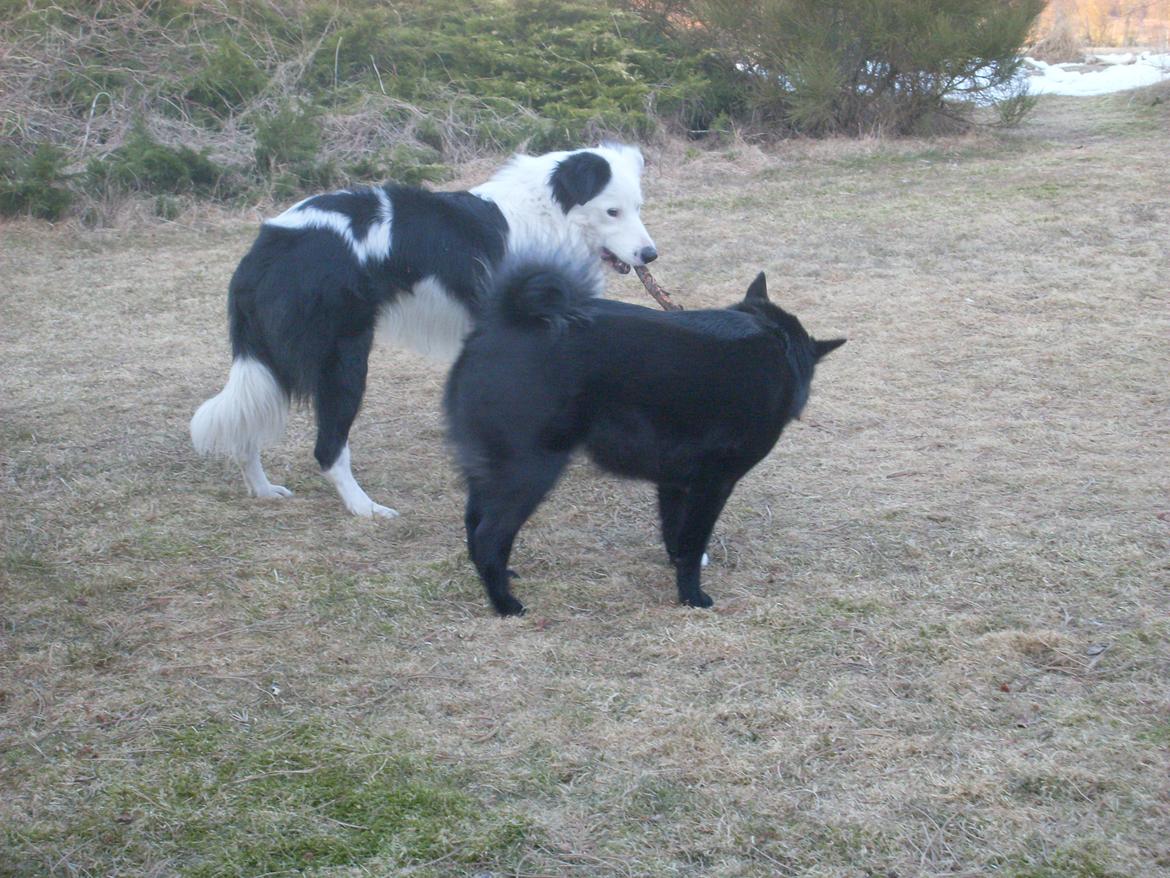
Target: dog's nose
<point x="648" y="254"/>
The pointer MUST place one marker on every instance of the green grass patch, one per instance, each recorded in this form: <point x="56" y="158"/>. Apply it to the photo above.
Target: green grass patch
<point x="1052" y="787"/>
<point x="1081" y="863"/>
<point x="27" y="566"/>
<point x="802" y="846"/>
<point x="836" y="607"/>
<point x="228" y="80"/>
<point x="1158" y="734"/>
<point x="219" y="799"/>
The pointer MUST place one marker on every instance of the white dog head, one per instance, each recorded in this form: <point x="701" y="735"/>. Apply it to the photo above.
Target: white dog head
<point x="600" y="192"/>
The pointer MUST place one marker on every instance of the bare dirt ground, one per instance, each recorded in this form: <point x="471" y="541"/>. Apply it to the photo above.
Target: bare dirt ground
<point x="941" y="639"/>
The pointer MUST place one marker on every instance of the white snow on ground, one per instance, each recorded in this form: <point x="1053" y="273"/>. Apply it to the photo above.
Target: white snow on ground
<point x="1098" y="74"/>
<point x="1122" y="71"/>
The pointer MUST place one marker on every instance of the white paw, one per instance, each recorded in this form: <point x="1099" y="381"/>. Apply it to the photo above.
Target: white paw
<point x="370" y="509"/>
<point x="273" y="492"/>
<point x="705" y="560"/>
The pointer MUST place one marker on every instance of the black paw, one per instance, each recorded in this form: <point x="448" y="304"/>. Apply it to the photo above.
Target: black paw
<point x="509" y="606"/>
<point x="701" y="599"/>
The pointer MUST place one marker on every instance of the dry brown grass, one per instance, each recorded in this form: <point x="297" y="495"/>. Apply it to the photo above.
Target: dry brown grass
<point x="940" y="643"/>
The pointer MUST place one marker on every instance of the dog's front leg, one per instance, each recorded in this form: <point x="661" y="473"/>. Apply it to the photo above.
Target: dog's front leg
<point x="689" y="592"/>
<point x="671" y="507"/>
<point x="702" y="503"/>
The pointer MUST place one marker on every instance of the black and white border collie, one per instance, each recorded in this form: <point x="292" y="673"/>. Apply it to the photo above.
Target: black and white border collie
<point x="406" y="265"/>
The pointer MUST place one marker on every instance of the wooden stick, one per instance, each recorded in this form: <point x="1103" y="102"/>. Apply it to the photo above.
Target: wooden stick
<point x="655" y="289"/>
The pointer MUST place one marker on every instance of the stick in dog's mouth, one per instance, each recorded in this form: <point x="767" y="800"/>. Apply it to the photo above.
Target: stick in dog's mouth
<point x="655" y="289"/>
<point x="616" y="264"/>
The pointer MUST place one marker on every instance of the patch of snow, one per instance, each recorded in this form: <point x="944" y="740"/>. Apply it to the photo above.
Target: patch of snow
<point x="1122" y="72"/>
<point x="1110" y="58"/>
<point x="1100" y="74"/>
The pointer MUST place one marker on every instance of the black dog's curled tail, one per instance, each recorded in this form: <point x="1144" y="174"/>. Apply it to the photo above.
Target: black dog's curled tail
<point x="546" y="285"/>
<point x="539" y="295"/>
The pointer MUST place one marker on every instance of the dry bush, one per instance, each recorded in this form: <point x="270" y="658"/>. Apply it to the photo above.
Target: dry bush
<point x="1059" y="42"/>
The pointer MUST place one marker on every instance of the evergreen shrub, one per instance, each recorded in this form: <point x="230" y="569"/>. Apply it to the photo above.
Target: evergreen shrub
<point x="34" y="183"/>
<point x="868" y="66"/>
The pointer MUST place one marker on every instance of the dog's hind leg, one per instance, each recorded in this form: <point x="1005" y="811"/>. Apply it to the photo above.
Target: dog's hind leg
<point x="471" y="518"/>
<point x="496" y="512"/>
<point x="490" y="546"/>
<point x="339" y="396"/>
<point x="703" y="504"/>
<point x="257" y="479"/>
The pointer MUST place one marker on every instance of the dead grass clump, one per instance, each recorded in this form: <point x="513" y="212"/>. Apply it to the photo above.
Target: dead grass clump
<point x="1045" y="649"/>
<point x="1156" y="94"/>
<point x="1060" y="42"/>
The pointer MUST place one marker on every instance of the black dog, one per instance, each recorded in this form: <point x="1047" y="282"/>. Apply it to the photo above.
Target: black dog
<point x="690" y="400"/>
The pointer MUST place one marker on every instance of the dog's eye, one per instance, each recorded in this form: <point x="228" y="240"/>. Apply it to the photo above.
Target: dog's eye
<point x="613" y="211"/>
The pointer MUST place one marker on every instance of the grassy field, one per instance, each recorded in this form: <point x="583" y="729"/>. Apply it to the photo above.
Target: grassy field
<point x="941" y="639"/>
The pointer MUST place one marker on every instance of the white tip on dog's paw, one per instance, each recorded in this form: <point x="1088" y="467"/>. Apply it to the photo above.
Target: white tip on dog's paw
<point x="370" y="509"/>
<point x="705" y="560"/>
<point x="274" y="492"/>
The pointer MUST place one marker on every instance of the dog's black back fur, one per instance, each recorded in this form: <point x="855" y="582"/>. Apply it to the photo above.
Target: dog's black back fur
<point x="292" y="319"/>
<point x="304" y="306"/>
<point x="689" y="400"/>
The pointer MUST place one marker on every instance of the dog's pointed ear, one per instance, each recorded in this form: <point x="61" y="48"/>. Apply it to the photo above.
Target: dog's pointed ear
<point x="758" y="291"/>
<point x="823" y="347"/>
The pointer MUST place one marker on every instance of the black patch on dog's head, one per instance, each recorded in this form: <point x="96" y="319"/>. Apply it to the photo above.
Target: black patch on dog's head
<point x="579" y="179"/>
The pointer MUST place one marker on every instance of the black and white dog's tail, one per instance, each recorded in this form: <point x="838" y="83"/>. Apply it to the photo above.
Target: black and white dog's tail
<point x="245" y="417"/>
<point x="251" y="411"/>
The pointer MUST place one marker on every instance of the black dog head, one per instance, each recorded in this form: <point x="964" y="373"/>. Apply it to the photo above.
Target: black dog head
<point x="757" y="301"/>
<point x="802" y="350"/>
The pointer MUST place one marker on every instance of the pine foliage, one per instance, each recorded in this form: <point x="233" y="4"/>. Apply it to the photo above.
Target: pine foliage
<point x="869" y="66"/>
